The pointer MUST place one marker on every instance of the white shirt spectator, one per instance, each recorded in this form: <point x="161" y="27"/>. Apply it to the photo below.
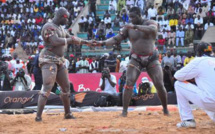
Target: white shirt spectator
<point x="112" y="5"/>
<point x="191" y="26"/>
<point x="90" y="20"/>
<point x="82" y="63"/>
<point x="21" y="1"/>
<point x="107" y="20"/>
<point x="130" y="3"/>
<point x="75" y="2"/>
<point x="94" y="64"/>
<point x="152" y="12"/>
<point x="82" y="20"/>
<point x="63" y="3"/>
<point x="16" y="67"/>
<point x="66" y="63"/>
<point x="180" y="34"/>
<point x="139" y="3"/>
<point x="208" y="25"/>
<point x="196" y="21"/>
<point x="108" y="88"/>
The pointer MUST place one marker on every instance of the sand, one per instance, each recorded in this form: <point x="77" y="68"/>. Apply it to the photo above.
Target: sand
<point x="104" y="122"/>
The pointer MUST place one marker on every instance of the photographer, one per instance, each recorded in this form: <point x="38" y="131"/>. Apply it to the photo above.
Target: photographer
<point x="22" y="81"/>
<point x="168" y="77"/>
<point x="108" y="82"/>
<point x="146" y="87"/>
<point x="4" y="76"/>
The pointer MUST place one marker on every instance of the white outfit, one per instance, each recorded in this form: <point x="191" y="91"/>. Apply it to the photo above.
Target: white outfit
<point x="20" y="85"/>
<point x="108" y="88"/>
<point x="202" y="94"/>
<point x="94" y="64"/>
<point x="82" y="63"/>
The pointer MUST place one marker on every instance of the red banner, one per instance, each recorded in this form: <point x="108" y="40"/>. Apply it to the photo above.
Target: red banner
<point x="90" y="81"/>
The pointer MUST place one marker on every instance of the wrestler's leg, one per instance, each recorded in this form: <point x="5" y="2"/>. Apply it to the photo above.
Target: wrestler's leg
<point x="132" y="74"/>
<point x="49" y="72"/>
<point x="155" y="72"/>
<point x="63" y="80"/>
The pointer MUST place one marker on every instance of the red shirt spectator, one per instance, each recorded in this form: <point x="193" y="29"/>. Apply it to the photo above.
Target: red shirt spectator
<point x="161" y="41"/>
<point x="38" y="20"/>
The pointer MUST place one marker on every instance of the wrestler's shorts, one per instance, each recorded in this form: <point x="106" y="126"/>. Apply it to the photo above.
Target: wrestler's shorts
<point x="145" y="60"/>
<point x="47" y="56"/>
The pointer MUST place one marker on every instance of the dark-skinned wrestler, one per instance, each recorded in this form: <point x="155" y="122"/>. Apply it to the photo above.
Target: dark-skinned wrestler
<point x="51" y="61"/>
<point x="142" y="35"/>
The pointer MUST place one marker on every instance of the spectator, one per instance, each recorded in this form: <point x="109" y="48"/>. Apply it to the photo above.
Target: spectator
<point x="208" y="24"/>
<point x="112" y="6"/>
<point x="141" y="5"/>
<point x="152" y="12"/>
<point x="169" y="61"/>
<point x="107" y="20"/>
<point x="37" y="71"/>
<point x="168" y="77"/>
<point x="4" y="76"/>
<point x="180" y="37"/>
<point x="22" y="81"/>
<point x="72" y="64"/>
<point x="162" y="43"/>
<point x="110" y="34"/>
<point x="108" y="82"/>
<point x="110" y="62"/>
<point x="188" y="58"/>
<point x="117" y="20"/>
<point x="102" y="61"/>
<point x="118" y="60"/>
<point x="82" y="24"/>
<point x="189" y="35"/>
<point x="171" y="38"/>
<point x="94" y="66"/>
<point x="146" y="87"/>
<point x="82" y="65"/>
<point x="17" y="66"/>
<point x="125" y="17"/>
<point x="121" y="5"/>
<point x="201" y="91"/>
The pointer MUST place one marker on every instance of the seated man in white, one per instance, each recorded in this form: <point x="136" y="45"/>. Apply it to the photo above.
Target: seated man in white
<point x="195" y="83"/>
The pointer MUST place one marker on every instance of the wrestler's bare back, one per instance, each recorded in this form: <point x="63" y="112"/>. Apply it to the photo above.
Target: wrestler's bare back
<point x="58" y="32"/>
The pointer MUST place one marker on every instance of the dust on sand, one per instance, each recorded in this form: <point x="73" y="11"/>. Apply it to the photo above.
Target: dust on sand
<point x="104" y="122"/>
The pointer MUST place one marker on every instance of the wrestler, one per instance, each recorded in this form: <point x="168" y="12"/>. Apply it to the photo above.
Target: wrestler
<point x="142" y="35"/>
<point x="51" y="61"/>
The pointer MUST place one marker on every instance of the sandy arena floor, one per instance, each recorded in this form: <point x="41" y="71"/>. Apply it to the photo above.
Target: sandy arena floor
<point x="104" y="122"/>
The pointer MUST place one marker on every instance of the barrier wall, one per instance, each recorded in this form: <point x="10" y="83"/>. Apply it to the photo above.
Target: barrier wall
<point x="90" y="81"/>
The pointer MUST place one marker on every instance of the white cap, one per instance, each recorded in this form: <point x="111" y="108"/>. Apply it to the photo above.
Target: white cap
<point x="118" y="56"/>
<point x="145" y="80"/>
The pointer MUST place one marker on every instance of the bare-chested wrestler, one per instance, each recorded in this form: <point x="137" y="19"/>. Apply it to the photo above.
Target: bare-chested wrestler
<point x="142" y="35"/>
<point x="51" y="61"/>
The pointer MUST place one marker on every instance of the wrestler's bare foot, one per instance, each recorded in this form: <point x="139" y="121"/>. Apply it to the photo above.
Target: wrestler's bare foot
<point x="124" y="114"/>
<point x="69" y="116"/>
<point x="166" y="112"/>
<point x="38" y="119"/>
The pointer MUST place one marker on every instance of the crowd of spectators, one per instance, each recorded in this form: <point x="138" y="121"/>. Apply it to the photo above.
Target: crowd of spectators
<point x="22" y="21"/>
<point x="180" y="21"/>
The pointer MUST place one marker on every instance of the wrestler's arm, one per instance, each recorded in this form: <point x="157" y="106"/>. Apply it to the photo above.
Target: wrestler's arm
<point x="151" y="27"/>
<point x="123" y="34"/>
<point x="77" y="40"/>
<point x="49" y="34"/>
